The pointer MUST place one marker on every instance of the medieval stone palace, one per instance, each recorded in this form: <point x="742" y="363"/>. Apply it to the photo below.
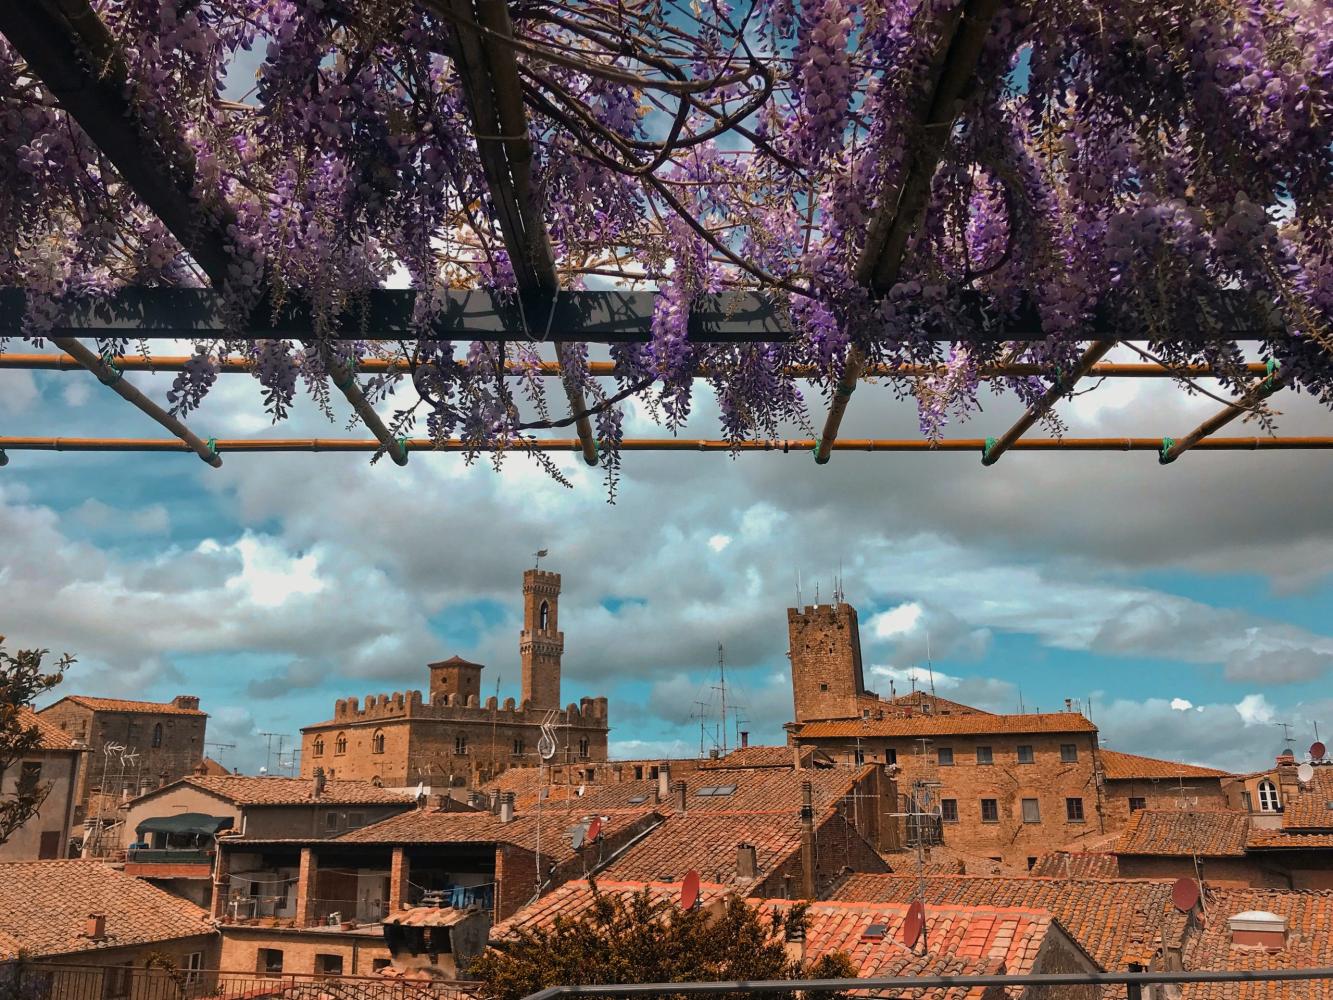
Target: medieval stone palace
<point x="451" y="737"/>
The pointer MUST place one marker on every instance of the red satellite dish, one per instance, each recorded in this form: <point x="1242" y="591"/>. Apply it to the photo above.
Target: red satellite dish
<point x="1317" y="750"/>
<point x="1185" y="894"/>
<point x="594" y="829"/>
<point x="689" y="890"/>
<point x="913" y="924"/>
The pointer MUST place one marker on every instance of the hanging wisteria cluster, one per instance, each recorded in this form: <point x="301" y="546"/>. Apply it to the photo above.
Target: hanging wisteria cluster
<point x="1122" y="158"/>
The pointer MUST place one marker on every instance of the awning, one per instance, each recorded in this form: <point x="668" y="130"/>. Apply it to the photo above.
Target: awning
<point x="184" y="823"/>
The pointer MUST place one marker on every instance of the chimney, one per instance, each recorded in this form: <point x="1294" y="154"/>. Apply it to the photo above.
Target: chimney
<point x="186" y="701"/>
<point x="1258" y="929"/>
<point x="745" y="738"/>
<point x="796" y="756"/>
<point x="319" y="782"/>
<point x="496" y="800"/>
<point x="793" y="939"/>
<point x="680" y="796"/>
<point x="507" y="808"/>
<point x="807" y="842"/>
<point x="95" y="927"/>
<point x="747" y="861"/>
<point x="440" y="802"/>
<point x="712" y="754"/>
<point x="663" y="780"/>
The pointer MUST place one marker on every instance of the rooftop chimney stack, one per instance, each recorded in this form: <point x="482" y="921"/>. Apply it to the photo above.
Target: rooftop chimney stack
<point x="507" y="808"/>
<point x="663" y="781"/>
<point x="320" y="781"/>
<point x="1069" y="705"/>
<point x="807" y="842"/>
<point x="95" y="928"/>
<point x="496" y="800"/>
<point x="747" y="861"/>
<point x="745" y="739"/>
<point x="680" y="796"/>
<point x="794" y="941"/>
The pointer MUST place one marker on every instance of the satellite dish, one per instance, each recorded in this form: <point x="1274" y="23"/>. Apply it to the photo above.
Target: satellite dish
<point x="546" y="747"/>
<point x="576" y="836"/>
<point x="1317" y="750"/>
<point x="914" y="923"/>
<point x="595" y="828"/>
<point x="689" y="890"/>
<point x="1305" y="773"/>
<point x="263" y="770"/>
<point x="582" y="789"/>
<point x="1185" y="894"/>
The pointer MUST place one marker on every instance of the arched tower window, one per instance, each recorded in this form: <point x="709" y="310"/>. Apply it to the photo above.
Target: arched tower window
<point x="377" y="741"/>
<point x="340" y="744"/>
<point x="544" y="618"/>
<point x="157" y="735"/>
<point x="1268" y="798"/>
<point x="319" y="746"/>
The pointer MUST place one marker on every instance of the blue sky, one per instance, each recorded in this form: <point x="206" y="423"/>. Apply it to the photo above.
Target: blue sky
<point x="277" y="584"/>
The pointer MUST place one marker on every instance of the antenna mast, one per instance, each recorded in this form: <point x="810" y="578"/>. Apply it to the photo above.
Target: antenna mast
<point x="930" y="667"/>
<point x="722" y="687"/>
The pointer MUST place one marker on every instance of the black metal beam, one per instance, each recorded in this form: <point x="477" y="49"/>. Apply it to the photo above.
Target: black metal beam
<point x="606" y="317"/>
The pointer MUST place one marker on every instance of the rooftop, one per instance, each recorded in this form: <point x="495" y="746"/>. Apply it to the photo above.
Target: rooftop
<point x="975" y="724"/>
<point x="52" y="736"/>
<point x="1077" y="864"/>
<point x="573" y="899"/>
<point x="933" y="703"/>
<point x="1114" y="922"/>
<point x="1208" y="833"/>
<point x="1119" y="766"/>
<point x="748" y="757"/>
<point x="124" y="705"/>
<point x="44" y="908"/>
<point x="1310" y="809"/>
<point x="251" y="790"/>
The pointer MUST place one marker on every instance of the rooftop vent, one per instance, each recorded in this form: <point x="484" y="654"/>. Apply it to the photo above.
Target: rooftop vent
<point x="95" y="927"/>
<point x="1258" y="929"/>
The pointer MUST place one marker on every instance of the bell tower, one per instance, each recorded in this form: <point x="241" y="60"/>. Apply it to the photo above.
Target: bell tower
<point x="541" y="643"/>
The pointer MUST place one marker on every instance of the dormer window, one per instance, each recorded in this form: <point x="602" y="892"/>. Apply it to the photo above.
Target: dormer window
<point x="1268" y="797"/>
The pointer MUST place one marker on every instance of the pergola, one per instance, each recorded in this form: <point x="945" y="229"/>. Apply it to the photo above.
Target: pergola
<point x="69" y="50"/>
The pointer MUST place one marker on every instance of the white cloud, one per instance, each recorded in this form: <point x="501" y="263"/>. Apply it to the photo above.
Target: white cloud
<point x="719" y="542"/>
<point x="1254" y="709"/>
<point x="896" y="621"/>
<point x="1181" y="704"/>
<point x="269" y="576"/>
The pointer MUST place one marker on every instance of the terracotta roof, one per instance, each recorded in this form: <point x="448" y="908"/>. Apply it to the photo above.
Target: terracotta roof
<point x="1116" y="922"/>
<point x="428" y="916"/>
<point x="1208" y="833"/>
<point x="975" y="724"/>
<point x="1119" y="766"/>
<point x="939" y="706"/>
<point x="706" y="842"/>
<point x="44" y="907"/>
<point x="745" y="757"/>
<point x="571" y="900"/>
<point x="124" y="705"/>
<point x="1309" y="808"/>
<point x="455" y="661"/>
<point x="1077" y="864"/>
<point x="252" y="790"/>
<point x="53" y="737"/>
<point x="1287" y="840"/>
<point x="1308" y="944"/>
<point x="213" y="768"/>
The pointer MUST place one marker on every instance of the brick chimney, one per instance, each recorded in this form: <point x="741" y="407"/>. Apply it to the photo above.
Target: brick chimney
<point x="745" y="738"/>
<point x="680" y="796"/>
<point x="320" y="781"/>
<point x="747" y="861"/>
<point x="1258" y="929"/>
<point x="189" y="701"/>
<point x="95" y="927"/>
<point x="807" y="842"/>
<point x="663" y="780"/>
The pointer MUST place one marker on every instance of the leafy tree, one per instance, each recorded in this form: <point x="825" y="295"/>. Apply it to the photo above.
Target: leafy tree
<point x="635" y="940"/>
<point x="22" y="679"/>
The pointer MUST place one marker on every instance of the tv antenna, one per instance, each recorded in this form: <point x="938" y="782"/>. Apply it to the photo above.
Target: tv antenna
<point x="268" y="752"/>
<point x="930" y="666"/>
<point x="1286" y="733"/>
<point x="721" y="687"/>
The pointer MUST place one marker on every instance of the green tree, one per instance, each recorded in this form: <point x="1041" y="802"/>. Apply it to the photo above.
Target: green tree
<point x="635" y="940"/>
<point x="22" y="679"/>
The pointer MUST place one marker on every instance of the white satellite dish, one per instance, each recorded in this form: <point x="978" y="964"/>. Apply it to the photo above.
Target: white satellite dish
<point x="1305" y="773"/>
<point x="582" y="789"/>
<point x="546" y="747"/>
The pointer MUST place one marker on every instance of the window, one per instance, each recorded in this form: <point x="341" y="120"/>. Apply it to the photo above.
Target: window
<point x="331" y="821"/>
<point x="319" y="746"/>
<point x="638" y="772"/>
<point x="1031" y="811"/>
<point x="1068" y="753"/>
<point x="355" y="820"/>
<point x="859" y="755"/>
<point x="583" y="747"/>
<point x="117" y="980"/>
<point x="990" y="810"/>
<point x="949" y="810"/>
<point x="890" y="756"/>
<point x="716" y="790"/>
<point x="1268" y="799"/>
<point x="1025" y="755"/>
<point x="823" y="687"/>
<point x="460" y="745"/>
<point x="157" y="735"/>
<point x="380" y="963"/>
<point x="340" y="745"/>
<point x="1032" y="863"/>
<point x="1246" y="802"/>
<point x="1136" y="803"/>
<point x="519" y="749"/>
<point x="377" y="742"/>
<point x="270" y="961"/>
<point x="329" y="965"/>
<point x="1074" y="810"/>
<point x="985" y="755"/>
<point x="945" y="756"/>
<point x="30" y="773"/>
<point x="545" y="617"/>
<point x="194" y="962"/>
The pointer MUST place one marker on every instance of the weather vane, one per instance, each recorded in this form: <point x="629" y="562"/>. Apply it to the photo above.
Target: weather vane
<point x="540" y="554"/>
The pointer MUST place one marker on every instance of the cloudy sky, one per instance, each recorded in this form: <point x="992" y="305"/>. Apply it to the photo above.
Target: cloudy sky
<point x="1186" y="606"/>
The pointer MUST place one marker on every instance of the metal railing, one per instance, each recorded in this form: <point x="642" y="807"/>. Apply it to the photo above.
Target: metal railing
<point x="39" y="981"/>
<point x="168" y="855"/>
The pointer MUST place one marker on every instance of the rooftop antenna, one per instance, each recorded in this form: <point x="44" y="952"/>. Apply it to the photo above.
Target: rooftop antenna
<point x="798" y="590"/>
<point x="816" y="592"/>
<point x="722" y="689"/>
<point x="268" y="754"/>
<point x="930" y="667"/>
<point x="701" y="714"/>
<point x="1286" y="733"/>
<point x="1020" y="702"/>
<point x="538" y="556"/>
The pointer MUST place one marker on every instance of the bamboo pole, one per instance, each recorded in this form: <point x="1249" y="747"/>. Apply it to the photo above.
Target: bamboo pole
<point x="782" y="445"/>
<point x="1041" y="407"/>
<point x="1172" y="450"/>
<point x="111" y="378"/>
<point x="236" y="365"/>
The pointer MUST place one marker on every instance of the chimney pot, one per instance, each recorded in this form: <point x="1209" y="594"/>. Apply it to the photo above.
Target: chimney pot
<point x="680" y="796"/>
<point x="96" y="927"/>
<point x="507" y="808"/>
<point x="440" y="801"/>
<point x="320" y="781"/>
<point x="745" y="739"/>
<point x="1069" y="705"/>
<point x="712" y="754"/>
<point x="663" y="781"/>
<point x="747" y="861"/>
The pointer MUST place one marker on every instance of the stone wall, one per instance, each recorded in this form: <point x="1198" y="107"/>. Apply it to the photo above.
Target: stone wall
<point x="1161" y="794"/>
<point x="360" y="952"/>
<point x="824" y="644"/>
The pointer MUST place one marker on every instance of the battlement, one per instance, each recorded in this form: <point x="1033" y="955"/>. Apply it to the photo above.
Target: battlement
<point x="456" y="707"/>
<point x="540" y="578"/>
<point x="817" y="611"/>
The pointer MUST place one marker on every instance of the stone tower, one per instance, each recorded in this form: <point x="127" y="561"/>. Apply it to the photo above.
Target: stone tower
<point x="456" y="678"/>
<point x="541" y="643"/>
<point x="825" y="650"/>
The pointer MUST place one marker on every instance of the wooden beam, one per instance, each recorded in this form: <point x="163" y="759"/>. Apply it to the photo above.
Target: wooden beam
<point x="995" y="448"/>
<point x="1172" y="449"/>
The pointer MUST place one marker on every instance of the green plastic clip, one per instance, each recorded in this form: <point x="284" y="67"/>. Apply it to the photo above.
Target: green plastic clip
<point x="212" y="444"/>
<point x="815" y="452"/>
<point x="116" y="375"/>
<point x="1167" y="445"/>
<point x="986" y="448"/>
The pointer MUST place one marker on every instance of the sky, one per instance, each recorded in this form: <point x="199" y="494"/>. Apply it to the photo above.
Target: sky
<point x="1186" y="608"/>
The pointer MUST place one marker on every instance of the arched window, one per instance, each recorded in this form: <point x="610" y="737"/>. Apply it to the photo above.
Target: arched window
<point x="377" y="742"/>
<point x="1268" y="800"/>
<point x="340" y="744"/>
<point x="545" y="616"/>
<point x="157" y="735"/>
<point x="319" y="746"/>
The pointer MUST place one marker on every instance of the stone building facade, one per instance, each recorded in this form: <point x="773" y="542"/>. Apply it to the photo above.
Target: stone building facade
<point x="54" y="765"/>
<point x="166" y="739"/>
<point x="450" y="737"/>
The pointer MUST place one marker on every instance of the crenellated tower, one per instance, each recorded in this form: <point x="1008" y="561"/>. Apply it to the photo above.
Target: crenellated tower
<point x="541" y="643"/>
